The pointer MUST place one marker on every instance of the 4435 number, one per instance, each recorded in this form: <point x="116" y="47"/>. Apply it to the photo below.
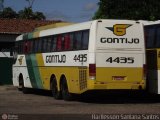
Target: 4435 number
<point x="129" y="60"/>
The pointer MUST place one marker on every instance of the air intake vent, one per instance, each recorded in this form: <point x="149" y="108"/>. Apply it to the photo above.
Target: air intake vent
<point x="83" y="78"/>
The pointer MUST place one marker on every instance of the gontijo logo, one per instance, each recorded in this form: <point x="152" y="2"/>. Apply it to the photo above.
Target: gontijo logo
<point x="119" y="29"/>
<point x="20" y="60"/>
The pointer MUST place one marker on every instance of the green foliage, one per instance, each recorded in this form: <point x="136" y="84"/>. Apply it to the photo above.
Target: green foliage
<point x="39" y="16"/>
<point x="8" y="13"/>
<point x="27" y="13"/>
<point x="128" y="9"/>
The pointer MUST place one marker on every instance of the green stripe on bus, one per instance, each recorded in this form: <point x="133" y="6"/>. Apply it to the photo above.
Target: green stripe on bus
<point x="30" y="35"/>
<point x="36" y="71"/>
<point x="30" y="71"/>
<point x="33" y="71"/>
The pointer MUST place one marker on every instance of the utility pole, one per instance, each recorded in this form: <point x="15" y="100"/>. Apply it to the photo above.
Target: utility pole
<point x="30" y="3"/>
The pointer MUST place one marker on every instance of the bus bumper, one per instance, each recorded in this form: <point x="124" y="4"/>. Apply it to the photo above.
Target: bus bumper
<point x="92" y="85"/>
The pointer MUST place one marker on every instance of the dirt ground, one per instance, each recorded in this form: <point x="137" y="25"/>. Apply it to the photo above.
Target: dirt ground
<point x="16" y="105"/>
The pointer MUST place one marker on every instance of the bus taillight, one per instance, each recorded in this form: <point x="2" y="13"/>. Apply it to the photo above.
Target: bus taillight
<point x="92" y="71"/>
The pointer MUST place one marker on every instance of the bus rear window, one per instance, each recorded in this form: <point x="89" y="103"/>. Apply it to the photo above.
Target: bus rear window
<point x="85" y="39"/>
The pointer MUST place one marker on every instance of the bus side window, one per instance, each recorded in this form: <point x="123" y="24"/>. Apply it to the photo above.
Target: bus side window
<point x="53" y="43"/>
<point x="28" y="46"/>
<point x="59" y="43"/>
<point x="49" y="44"/>
<point x="44" y="45"/>
<point x="71" y="36"/>
<point x="85" y="39"/>
<point x="36" y="45"/>
<point x="63" y="42"/>
<point x="67" y="42"/>
<point x="25" y="47"/>
<point x="33" y="46"/>
<point x="78" y="40"/>
<point x="39" y="45"/>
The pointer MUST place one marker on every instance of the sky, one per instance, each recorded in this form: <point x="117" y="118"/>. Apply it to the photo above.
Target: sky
<point x="66" y="10"/>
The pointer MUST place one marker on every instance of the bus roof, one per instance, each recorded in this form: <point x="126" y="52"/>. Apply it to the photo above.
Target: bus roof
<point x="63" y="29"/>
<point x="54" y="30"/>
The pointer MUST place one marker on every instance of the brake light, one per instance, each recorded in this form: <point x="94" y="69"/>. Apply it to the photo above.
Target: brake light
<point x="92" y="71"/>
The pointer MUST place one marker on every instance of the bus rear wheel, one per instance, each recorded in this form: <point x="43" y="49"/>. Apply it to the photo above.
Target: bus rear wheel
<point x="65" y="92"/>
<point x="54" y="89"/>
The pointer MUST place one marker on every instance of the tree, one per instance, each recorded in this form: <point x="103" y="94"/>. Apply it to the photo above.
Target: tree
<point x="39" y="16"/>
<point x="27" y="13"/>
<point x="8" y="13"/>
<point x="128" y="9"/>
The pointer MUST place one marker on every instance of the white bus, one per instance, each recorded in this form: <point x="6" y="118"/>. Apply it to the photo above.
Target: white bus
<point x="94" y="55"/>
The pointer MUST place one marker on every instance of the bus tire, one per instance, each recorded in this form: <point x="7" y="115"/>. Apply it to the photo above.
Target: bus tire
<point x="54" y="89"/>
<point x="65" y="92"/>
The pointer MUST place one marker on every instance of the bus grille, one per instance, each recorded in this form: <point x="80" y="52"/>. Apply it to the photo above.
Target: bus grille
<point x="83" y="79"/>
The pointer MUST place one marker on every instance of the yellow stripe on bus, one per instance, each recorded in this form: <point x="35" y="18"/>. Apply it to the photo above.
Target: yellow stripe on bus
<point x="36" y="34"/>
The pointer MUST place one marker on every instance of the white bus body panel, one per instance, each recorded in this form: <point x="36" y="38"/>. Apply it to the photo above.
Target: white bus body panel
<point x="18" y="68"/>
<point x="102" y="57"/>
<point x="66" y="58"/>
<point x="129" y="45"/>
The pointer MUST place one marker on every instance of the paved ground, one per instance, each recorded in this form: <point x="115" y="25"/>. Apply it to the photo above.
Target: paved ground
<point x="14" y="102"/>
